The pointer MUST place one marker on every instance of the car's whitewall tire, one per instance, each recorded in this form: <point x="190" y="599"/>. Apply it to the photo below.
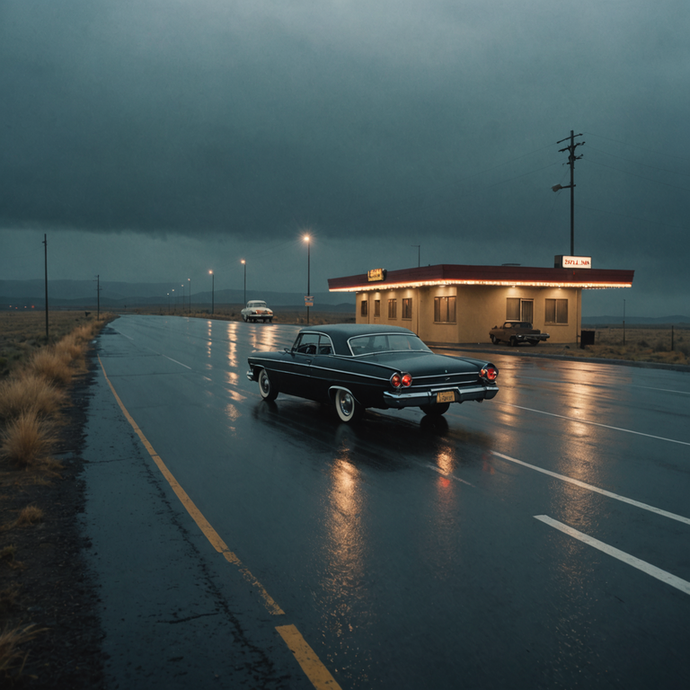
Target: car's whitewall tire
<point x="266" y="388"/>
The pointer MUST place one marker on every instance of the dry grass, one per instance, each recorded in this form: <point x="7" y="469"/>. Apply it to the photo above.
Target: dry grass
<point x="27" y="441"/>
<point x="22" y="333"/>
<point x="29" y="393"/>
<point x="12" y="657"/>
<point x="31" y="398"/>
<point x="30" y="515"/>
<point x="641" y="344"/>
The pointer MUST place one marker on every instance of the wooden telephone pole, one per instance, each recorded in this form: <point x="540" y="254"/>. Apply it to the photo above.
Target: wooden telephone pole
<point x="571" y="162"/>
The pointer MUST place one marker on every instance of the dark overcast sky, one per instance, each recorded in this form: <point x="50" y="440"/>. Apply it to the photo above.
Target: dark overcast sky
<point x="153" y="140"/>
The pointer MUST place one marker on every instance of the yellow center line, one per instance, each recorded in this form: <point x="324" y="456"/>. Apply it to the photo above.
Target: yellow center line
<point x="317" y="673"/>
<point x="204" y="525"/>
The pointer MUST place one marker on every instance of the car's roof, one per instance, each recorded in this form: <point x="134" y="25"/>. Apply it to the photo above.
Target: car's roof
<point x="340" y="333"/>
<point x="348" y="330"/>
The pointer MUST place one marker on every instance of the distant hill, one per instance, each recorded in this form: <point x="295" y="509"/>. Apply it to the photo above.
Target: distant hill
<point x="117" y="295"/>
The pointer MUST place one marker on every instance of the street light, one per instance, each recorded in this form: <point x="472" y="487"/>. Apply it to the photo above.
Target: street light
<point x="244" y="263"/>
<point x="213" y="291"/>
<point x="190" y="295"/>
<point x="183" y="300"/>
<point x="173" y="299"/>
<point x="307" y="239"/>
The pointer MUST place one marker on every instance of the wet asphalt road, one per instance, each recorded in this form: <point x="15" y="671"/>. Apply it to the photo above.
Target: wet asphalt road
<point x="539" y="540"/>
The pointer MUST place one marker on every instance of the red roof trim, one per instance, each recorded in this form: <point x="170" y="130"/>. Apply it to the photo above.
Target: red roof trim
<point x="461" y="274"/>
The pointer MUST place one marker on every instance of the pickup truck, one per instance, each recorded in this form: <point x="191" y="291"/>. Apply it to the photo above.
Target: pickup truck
<point x="516" y="332"/>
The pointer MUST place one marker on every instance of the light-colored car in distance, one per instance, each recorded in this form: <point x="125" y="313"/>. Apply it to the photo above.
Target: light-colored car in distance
<point x="257" y="310"/>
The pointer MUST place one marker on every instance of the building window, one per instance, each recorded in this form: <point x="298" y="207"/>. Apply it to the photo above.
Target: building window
<point x="363" y="310"/>
<point x="392" y="309"/>
<point x="407" y="308"/>
<point x="519" y="309"/>
<point x="513" y="309"/>
<point x="444" y="309"/>
<point x="377" y="307"/>
<point x="556" y="311"/>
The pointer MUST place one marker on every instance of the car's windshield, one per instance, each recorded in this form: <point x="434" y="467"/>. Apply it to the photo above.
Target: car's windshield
<point x="386" y="342"/>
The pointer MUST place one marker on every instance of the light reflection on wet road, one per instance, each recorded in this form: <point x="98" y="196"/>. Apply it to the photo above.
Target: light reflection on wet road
<point x="405" y="549"/>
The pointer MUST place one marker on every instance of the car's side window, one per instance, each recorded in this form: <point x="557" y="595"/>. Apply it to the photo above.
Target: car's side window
<point x="325" y="347"/>
<point x="307" y="344"/>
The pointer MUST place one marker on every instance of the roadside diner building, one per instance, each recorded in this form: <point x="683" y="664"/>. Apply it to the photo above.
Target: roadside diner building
<point x="450" y="303"/>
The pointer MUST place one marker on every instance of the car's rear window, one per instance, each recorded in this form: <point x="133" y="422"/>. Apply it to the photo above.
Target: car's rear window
<point x="386" y="342"/>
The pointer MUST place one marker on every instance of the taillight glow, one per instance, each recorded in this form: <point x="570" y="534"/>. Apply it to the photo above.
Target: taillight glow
<point x="489" y="373"/>
<point x="401" y="380"/>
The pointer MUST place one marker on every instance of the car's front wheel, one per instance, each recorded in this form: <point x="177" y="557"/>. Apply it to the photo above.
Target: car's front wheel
<point x="435" y="409"/>
<point x="346" y="406"/>
<point x="494" y="339"/>
<point x="268" y="391"/>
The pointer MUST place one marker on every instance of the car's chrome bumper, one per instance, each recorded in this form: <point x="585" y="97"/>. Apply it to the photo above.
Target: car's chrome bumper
<point x="416" y="399"/>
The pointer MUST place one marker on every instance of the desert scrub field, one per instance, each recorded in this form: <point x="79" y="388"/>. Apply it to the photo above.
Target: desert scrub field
<point x="660" y="344"/>
<point x="24" y="332"/>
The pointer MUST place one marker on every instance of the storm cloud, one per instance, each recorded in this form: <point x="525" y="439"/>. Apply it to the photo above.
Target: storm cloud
<point x="380" y="126"/>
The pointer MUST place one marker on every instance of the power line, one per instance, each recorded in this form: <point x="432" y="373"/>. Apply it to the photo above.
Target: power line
<point x="646" y="165"/>
<point x="642" y="177"/>
<point x="642" y="148"/>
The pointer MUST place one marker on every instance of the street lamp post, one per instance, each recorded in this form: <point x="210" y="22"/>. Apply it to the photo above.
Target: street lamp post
<point x="190" y="295"/>
<point x="307" y="239"/>
<point x="213" y="291"/>
<point x="244" y="295"/>
<point x="183" y="299"/>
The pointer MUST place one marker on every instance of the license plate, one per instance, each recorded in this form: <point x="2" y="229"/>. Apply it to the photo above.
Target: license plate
<point x="445" y="396"/>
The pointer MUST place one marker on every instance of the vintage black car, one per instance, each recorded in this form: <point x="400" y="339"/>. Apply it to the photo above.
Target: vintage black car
<point x="516" y="332"/>
<point x="356" y="366"/>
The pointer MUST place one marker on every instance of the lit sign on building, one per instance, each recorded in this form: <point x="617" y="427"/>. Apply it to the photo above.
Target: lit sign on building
<point x="573" y="262"/>
<point x="376" y="274"/>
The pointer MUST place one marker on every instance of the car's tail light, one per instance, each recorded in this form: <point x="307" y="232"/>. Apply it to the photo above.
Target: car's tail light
<point x="396" y="380"/>
<point x="406" y="380"/>
<point x="489" y="373"/>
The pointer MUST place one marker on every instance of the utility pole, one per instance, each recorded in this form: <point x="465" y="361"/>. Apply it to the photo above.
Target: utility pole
<point x="45" y="242"/>
<point x="571" y="162"/>
<point x="98" y="297"/>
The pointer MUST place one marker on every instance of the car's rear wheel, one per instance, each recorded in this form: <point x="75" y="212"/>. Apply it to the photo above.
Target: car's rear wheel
<point x="346" y="406"/>
<point x="513" y="342"/>
<point x="534" y="342"/>
<point x="435" y="409"/>
<point x="267" y="390"/>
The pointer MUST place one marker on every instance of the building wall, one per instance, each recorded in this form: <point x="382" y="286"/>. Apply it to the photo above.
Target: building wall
<point x="478" y="308"/>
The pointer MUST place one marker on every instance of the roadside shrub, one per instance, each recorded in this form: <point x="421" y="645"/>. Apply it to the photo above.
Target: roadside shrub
<point x="12" y="658"/>
<point x="52" y="365"/>
<point x="19" y="395"/>
<point x="27" y="441"/>
<point x="30" y="515"/>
